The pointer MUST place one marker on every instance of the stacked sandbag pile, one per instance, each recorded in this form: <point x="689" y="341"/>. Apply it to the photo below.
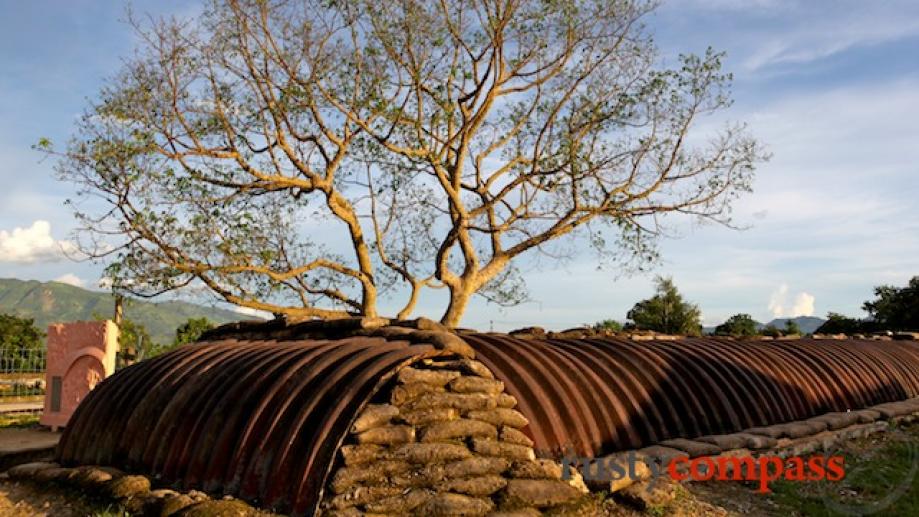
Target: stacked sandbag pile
<point x="447" y="442"/>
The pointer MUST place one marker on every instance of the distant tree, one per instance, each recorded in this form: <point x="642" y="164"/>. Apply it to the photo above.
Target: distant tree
<point x="895" y="308"/>
<point x="610" y="325"/>
<point x="135" y="341"/>
<point x="840" y="324"/>
<point x="771" y="331"/>
<point x="791" y="328"/>
<point x="191" y="330"/>
<point x="20" y="340"/>
<point x="667" y="312"/>
<point x="737" y="325"/>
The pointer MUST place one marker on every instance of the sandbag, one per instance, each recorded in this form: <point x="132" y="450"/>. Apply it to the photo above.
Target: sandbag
<point x="431" y="452"/>
<point x="474" y="466"/>
<point x="867" y="416"/>
<point x="538" y="469"/>
<point x="462" y="428"/>
<point x="519" y="512"/>
<point x="503" y="450"/>
<point x="836" y="420"/>
<point x="445" y="504"/>
<point x="477" y="486"/>
<point x="505" y="400"/>
<point x="725" y="441"/>
<point x="757" y="442"/>
<point x="500" y="416"/>
<point x="692" y="448"/>
<point x="402" y="503"/>
<point x="408" y="392"/>
<point x="374" y="415"/>
<point x="476" y="385"/>
<point x="444" y="341"/>
<point x="538" y="492"/>
<point x="375" y="473"/>
<point x="28" y="470"/>
<point x="511" y="435"/>
<point x="466" y="366"/>
<point x="411" y="375"/>
<point x="460" y="401"/>
<point x="389" y="435"/>
<point x="362" y="495"/>
<point x="423" y="417"/>
<point x="362" y="453"/>
<point x="772" y="431"/>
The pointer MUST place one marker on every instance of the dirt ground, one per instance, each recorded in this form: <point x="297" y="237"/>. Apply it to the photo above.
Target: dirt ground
<point x="22" y="438"/>
<point x="882" y="478"/>
<point x="30" y="500"/>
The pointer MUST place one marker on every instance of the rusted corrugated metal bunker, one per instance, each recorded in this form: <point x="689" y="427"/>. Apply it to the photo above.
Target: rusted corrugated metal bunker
<point x="260" y="413"/>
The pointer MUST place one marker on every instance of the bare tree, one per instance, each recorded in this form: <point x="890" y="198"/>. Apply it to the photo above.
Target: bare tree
<point x="446" y="138"/>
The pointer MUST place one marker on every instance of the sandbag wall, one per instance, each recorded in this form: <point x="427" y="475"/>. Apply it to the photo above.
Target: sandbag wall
<point x="597" y="396"/>
<point x="446" y="440"/>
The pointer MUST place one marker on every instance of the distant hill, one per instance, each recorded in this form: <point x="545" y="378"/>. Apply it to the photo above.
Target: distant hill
<point x="807" y="324"/>
<point x="53" y="302"/>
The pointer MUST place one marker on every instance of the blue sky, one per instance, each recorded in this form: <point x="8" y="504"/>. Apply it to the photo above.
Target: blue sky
<point x="830" y="87"/>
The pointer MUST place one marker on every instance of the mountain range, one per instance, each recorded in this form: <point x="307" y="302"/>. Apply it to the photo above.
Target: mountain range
<point x="53" y="302"/>
<point x="807" y="324"/>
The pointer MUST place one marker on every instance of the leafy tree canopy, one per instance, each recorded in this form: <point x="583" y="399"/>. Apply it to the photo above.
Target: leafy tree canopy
<point x="134" y="337"/>
<point x="841" y="324"/>
<point x="895" y="308"/>
<point x="20" y="344"/>
<point x="771" y="331"/>
<point x="191" y="330"/>
<point x="740" y="325"/>
<point x="437" y="142"/>
<point x="667" y="312"/>
<point x="610" y="325"/>
<point x="19" y="333"/>
<point x="791" y="328"/>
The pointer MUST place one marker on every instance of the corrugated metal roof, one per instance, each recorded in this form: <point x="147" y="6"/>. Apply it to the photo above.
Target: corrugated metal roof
<point x="595" y="396"/>
<point x="263" y="419"/>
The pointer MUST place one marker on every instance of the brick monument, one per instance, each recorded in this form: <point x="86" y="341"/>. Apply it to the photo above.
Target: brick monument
<point x="80" y="355"/>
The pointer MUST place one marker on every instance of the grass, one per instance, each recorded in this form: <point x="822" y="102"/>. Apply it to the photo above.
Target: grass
<point x="111" y="511"/>
<point x="882" y="477"/>
<point x="19" y="420"/>
<point x="23" y="376"/>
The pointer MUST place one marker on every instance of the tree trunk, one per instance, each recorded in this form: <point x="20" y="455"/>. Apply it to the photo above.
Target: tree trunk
<point x="459" y="300"/>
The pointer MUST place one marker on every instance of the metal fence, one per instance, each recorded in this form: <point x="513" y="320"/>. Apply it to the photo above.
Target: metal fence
<point x="22" y="380"/>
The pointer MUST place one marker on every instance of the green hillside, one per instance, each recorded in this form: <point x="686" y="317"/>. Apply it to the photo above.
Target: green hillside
<point x="807" y="324"/>
<point x="52" y="302"/>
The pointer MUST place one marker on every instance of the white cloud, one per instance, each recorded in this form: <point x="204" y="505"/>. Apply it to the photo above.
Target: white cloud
<point x="801" y="305"/>
<point x="265" y="315"/>
<point x="733" y="5"/>
<point x="787" y="32"/>
<point x="71" y="279"/>
<point x="31" y="245"/>
<point x="777" y="301"/>
<point x="807" y="45"/>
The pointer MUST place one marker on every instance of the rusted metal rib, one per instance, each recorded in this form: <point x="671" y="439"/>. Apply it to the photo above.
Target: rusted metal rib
<point x="654" y="390"/>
